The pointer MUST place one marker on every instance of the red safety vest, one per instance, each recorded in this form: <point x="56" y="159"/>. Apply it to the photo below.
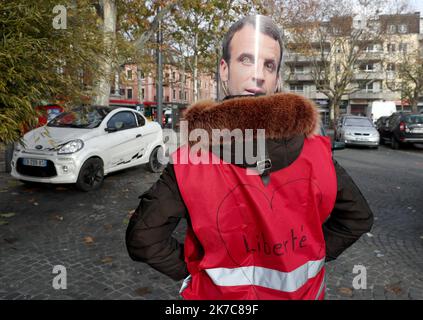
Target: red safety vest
<point x="251" y="241"/>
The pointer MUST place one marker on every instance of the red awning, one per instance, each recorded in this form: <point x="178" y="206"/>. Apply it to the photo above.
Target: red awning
<point x="404" y="102"/>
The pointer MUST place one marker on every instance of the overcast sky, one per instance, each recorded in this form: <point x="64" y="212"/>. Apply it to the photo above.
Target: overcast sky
<point x="418" y="5"/>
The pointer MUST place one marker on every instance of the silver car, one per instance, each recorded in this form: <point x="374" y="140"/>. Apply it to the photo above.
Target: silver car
<point x="355" y="130"/>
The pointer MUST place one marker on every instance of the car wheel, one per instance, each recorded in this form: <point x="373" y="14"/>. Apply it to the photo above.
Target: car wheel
<point x="381" y="141"/>
<point x="394" y="143"/>
<point x="91" y="175"/>
<point x="154" y="164"/>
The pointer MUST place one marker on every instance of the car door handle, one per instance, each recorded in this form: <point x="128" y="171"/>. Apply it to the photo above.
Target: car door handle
<point x="138" y="135"/>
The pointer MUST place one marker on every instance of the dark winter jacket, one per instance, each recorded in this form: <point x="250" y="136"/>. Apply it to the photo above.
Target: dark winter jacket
<point x="287" y="119"/>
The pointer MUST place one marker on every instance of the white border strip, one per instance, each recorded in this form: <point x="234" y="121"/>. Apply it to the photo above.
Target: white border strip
<point x="264" y="277"/>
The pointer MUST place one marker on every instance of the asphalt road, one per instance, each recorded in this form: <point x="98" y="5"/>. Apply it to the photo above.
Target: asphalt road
<point x="44" y="226"/>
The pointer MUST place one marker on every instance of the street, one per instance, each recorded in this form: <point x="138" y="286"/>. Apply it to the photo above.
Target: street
<point x="44" y="226"/>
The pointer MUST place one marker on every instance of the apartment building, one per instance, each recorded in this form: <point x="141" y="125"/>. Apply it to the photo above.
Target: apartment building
<point x="137" y="87"/>
<point x="375" y="65"/>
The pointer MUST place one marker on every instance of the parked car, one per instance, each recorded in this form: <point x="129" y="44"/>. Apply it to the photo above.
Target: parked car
<point x="381" y="126"/>
<point x="84" y="145"/>
<point x="381" y="122"/>
<point x="338" y="126"/>
<point x="45" y="113"/>
<point x="356" y="130"/>
<point x="402" y="128"/>
<point x="336" y="145"/>
<point x="378" y="109"/>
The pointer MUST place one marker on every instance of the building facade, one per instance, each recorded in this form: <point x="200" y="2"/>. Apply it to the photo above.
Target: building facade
<point x="375" y="66"/>
<point x="134" y="86"/>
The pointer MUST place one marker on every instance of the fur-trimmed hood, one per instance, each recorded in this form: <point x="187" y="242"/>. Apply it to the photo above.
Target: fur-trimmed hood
<point x="281" y="115"/>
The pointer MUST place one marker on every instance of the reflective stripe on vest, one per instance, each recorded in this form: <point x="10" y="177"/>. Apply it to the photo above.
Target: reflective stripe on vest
<point x="264" y="277"/>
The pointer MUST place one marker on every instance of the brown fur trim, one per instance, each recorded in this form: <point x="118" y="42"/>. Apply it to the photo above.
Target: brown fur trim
<point x="282" y="115"/>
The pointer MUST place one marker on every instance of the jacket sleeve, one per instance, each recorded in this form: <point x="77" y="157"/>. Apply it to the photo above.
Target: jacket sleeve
<point x="148" y="236"/>
<point x="351" y="216"/>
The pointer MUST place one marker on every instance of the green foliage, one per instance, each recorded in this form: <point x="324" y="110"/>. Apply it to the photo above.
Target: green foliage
<point x="41" y="64"/>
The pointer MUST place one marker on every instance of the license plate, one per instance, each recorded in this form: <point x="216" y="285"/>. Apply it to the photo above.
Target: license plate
<point x="361" y="139"/>
<point x="418" y="130"/>
<point x="35" y="162"/>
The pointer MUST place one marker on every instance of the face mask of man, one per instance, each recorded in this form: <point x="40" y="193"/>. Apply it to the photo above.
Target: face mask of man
<point x="253" y="63"/>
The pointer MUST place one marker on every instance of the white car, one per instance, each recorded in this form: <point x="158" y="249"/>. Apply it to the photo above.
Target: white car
<point x="83" y="145"/>
<point x="355" y="130"/>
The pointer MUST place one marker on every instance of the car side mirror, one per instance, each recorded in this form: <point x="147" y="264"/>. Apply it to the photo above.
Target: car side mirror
<point x="110" y="130"/>
<point x="338" y="145"/>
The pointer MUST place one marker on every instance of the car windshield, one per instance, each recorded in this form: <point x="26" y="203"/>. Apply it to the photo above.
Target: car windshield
<point x="358" y="122"/>
<point x="414" y="119"/>
<point x="82" y="117"/>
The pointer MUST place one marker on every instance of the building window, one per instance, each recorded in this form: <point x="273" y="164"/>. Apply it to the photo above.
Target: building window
<point x="369" y="67"/>
<point x="296" y="88"/>
<point x="390" y="67"/>
<point x="372" y="48"/>
<point x="122" y="92"/>
<point x="129" y="93"/>
<point x="167" y="99"/>
<point x="143" y="93"/>
<point x="391" y="47"/>
<point x="299" y="69"/>
<point x="402" y="28"/>
<point x="129" y="74"/>
<point x="174" y="94"/>
<point x="391" y="29"/>
<point x="186" y="96"/>
<point x="403" y="47"/>
<point x="365" y="86"/>
<point x="180" y="76"/>
<point x="180" y="94"/>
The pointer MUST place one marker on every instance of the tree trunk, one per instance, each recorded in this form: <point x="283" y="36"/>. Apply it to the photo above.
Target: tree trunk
<point x="139" y="84"/>
<point x="414" y="105"/>
<point x="117" y="84"/>
<point x="102" y="87"/>
<point x="195" y="76"/>
<point x="333" y="111"/>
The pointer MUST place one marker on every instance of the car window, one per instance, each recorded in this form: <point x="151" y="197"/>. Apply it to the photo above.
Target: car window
<point x="81" y="117"/>
<point x="141" y="120"/>
<point x="414" y="119"/>
<point x="122" y="121"/>
<point x="357" y="122"/>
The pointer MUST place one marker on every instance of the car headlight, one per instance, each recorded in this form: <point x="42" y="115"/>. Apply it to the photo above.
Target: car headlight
<point x="71" y="147"/>
<point x="349" y="134"/>
<point x="17" y="147"/>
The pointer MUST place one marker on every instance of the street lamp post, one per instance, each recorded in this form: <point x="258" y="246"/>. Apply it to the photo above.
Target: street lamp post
<point x="159" y="81"/>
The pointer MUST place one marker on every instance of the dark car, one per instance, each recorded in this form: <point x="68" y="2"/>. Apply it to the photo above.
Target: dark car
<point x="402" y="128"/>
<point x="380" y="123"/>
<point x="382" y="126"/>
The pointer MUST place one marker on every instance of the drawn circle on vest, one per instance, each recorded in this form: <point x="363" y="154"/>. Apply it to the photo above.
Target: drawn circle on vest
<point x="249" y="238"/>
